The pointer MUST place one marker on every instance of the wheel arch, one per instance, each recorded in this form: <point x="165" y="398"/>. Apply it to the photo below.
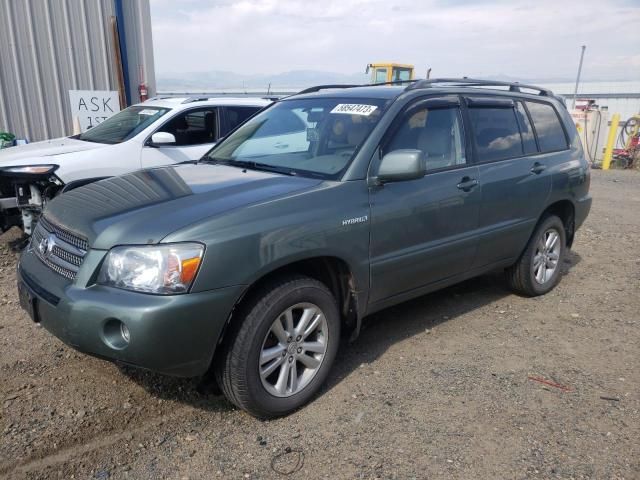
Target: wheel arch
<point x="566" y="211"/>
<point x="332" y="271"/>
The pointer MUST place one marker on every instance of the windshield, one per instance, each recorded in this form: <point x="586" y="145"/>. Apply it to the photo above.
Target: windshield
<point x="316" y="137"/>
<point x="123" y="125"/>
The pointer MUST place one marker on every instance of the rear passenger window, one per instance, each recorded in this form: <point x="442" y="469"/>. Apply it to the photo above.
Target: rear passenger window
<point x="496" y="132"/>
<point x="549" y="130"/>
<point x="528" y="139"/>
<point x="437" y="132"/>
<point x="238" y="115"/>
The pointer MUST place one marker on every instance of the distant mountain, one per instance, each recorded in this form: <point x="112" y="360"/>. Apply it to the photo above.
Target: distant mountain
<point x="222" y="80"/>
<point x="219" y="80"/>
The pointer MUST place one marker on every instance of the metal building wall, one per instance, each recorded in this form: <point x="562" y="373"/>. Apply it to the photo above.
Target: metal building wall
<point x="48" y="47"/>
<point x="137" y="24"/>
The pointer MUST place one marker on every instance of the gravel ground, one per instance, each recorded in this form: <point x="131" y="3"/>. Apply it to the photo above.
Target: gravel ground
<point x="439" y="387"/>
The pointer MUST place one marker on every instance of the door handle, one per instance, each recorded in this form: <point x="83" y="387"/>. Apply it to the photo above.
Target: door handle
<point x="538" y="168"/>
<point x="467" y="183"/>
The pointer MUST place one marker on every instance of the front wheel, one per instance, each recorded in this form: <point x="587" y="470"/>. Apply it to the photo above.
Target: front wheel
<point x="280" y="353"/>
<point x="538" y="269"/>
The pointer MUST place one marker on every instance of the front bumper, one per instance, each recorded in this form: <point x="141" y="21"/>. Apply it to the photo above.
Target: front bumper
<point x="174" y="335"/>
<point x="9" y="214"/>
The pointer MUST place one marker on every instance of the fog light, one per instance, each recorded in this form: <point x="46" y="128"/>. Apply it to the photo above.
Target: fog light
<point x="116" y="334"/>
<point x="124" y="331"/>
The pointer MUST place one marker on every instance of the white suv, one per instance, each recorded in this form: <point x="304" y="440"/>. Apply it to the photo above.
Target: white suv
<point x="160" y="131"/>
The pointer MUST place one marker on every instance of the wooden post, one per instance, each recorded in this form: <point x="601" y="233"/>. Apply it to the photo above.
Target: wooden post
<point x="118" y="61"/>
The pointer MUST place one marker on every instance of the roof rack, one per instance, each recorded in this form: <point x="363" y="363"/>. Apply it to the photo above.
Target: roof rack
<point x="395" y="82"/>
<point x="428" y="83"/>
<point x="195" y="99"/>
<point x="474" y="82"/>
<point x="317" y="88"/>
<point x="159" y="97"/>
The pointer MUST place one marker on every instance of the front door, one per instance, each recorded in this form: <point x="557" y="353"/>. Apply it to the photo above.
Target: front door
<point x="423" y="231"/>
<point x="195" y="131"/>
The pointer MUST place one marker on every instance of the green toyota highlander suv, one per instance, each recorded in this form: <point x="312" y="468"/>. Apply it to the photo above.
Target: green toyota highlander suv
<point x="331" y="204"/>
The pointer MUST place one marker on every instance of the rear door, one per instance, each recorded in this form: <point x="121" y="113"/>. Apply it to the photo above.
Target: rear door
<point x="423" y="231"/>
<point x="513" y="175"/>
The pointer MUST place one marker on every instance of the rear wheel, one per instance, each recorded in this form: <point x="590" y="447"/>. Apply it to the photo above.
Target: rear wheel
<point x="279" y="355"/>
<point x="538" y="269"/>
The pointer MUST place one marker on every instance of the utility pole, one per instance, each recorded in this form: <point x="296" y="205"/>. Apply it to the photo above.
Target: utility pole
<point x="575" y="91"/>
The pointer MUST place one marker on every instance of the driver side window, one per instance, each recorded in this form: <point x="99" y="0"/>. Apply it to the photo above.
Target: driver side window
<point x="437" y="132"/>
<point x="193" y="127"/>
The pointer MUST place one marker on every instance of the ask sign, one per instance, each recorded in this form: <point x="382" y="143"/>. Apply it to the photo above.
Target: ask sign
<point x="92" y="107"/>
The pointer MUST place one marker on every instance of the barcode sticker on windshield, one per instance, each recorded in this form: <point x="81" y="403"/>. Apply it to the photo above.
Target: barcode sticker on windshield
<point x="354" y="109"/>
<point x="147" y="111"/>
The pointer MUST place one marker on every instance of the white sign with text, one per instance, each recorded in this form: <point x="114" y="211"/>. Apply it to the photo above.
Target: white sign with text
<point x="92" y="107"/>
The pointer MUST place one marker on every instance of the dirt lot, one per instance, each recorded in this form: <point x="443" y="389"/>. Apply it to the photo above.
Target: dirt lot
<point x="436" y="388"/>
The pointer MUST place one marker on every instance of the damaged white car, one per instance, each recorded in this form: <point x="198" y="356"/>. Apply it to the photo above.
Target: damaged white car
<point x="160" y="131"/>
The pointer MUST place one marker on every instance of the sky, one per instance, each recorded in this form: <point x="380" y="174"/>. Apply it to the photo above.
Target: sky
<point x="528" y="40"/>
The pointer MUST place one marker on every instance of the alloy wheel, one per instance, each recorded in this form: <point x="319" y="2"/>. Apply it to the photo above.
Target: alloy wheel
<point x="293" y="349"/>
<point x="547" y="256"/>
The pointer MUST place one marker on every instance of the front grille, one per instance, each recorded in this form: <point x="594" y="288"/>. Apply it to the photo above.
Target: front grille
<point x="59" y="249"/>
<point x="65" y="235"/>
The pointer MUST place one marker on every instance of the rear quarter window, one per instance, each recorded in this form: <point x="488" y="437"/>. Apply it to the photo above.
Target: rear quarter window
<point x="551" y="136"/>
<point x="496" y="133"/>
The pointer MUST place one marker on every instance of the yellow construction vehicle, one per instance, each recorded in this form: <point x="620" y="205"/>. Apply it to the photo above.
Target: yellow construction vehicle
<point x="390" y="72"/>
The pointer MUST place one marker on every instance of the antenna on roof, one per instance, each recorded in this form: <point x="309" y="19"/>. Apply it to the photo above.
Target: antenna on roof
<point x="575" y="91"/>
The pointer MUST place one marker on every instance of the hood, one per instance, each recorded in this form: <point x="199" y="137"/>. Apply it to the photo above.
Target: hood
<point x="41" y="152"/>
<point x="145" y="206"/>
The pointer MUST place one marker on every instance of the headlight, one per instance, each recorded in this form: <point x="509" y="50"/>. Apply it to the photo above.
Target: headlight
<point x="160" y="269"/>
<point x="31" y="169"/>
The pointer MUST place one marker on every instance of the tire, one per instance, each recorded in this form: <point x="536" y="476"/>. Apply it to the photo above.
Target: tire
<point x="241" y="370"/>
<point x="526" y="276"/>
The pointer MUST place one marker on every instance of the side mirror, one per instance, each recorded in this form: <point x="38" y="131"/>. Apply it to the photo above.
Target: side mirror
<point x="402" y="165"/>
<point x="162" y="138"/>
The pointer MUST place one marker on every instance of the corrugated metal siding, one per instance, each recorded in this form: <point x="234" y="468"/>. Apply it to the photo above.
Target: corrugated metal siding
<point x="52" y="46"/>
<point x="137" y="16"/>
<point x="626" y="106"/>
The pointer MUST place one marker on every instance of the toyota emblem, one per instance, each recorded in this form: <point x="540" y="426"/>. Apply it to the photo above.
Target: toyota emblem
<point x="46" y="244"/>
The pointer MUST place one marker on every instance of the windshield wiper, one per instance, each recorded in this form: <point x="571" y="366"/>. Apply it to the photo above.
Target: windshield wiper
<point x="79" y="137"/>
<point x="251" y="165"/>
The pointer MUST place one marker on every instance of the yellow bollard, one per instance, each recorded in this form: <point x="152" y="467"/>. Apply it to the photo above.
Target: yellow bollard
<point x="611" y="140"/>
